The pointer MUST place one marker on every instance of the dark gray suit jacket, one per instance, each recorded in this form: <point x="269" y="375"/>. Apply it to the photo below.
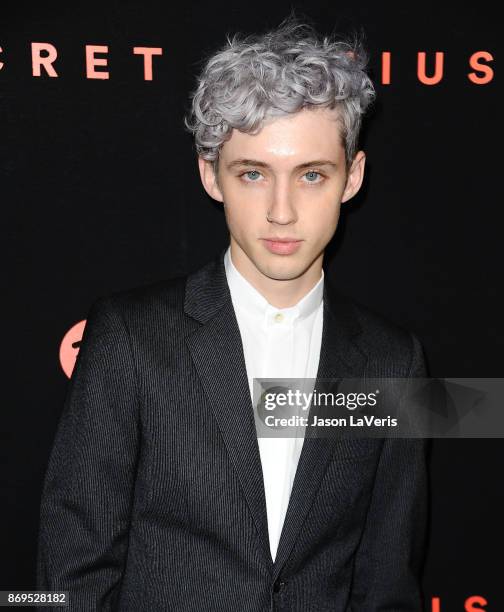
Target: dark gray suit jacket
<point x="153" y="497"/>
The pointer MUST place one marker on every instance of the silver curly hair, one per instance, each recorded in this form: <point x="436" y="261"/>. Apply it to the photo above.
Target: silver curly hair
<point x="258" y="77"/>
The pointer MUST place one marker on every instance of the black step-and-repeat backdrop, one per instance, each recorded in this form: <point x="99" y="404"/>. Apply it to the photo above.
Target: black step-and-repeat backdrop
<point x="100" y="191"/>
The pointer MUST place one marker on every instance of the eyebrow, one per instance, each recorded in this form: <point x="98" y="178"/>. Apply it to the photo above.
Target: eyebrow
<point x="260" y="164"/>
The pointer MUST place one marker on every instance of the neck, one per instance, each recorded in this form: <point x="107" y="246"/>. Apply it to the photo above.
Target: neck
<point x="280" y="293"/>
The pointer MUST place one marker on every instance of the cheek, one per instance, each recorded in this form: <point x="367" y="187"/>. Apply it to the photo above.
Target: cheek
<point x="243" y="217"/>
<point x="321" y="219"/>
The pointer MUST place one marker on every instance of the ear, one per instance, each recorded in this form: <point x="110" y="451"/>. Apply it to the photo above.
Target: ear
<point x="355" y="176"/>
<point x="209" y="179"/>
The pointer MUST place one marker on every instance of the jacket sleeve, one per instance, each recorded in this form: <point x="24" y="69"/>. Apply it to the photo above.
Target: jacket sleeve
<point x="88" y="486"/>
<point x="389" y="559"/>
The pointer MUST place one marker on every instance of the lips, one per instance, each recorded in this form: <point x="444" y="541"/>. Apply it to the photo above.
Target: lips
<point x="282" y="246"/>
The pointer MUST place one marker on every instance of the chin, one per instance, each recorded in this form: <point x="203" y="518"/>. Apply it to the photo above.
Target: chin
<point x="283" y="270"/>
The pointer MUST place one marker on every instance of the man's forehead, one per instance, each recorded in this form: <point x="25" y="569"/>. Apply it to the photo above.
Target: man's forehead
<point x="298" y="137"/>
<point x="260" y="163"/>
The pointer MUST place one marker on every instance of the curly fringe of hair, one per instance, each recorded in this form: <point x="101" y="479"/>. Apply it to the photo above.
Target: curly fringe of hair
<point x="259" y="77"/>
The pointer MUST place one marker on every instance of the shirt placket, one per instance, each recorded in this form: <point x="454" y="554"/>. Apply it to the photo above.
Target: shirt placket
<point x="278" y="363"/>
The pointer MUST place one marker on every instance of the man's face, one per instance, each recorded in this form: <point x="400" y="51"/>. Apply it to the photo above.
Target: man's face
<point x="285" y="183"/>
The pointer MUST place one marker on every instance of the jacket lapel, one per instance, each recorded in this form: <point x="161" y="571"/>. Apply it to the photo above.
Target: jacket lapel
<point x="217" y="352"/>
<point x="340" y="357"/>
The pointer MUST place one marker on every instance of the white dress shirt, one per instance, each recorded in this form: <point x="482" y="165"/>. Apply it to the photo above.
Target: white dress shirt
<point x="277" y="343"/>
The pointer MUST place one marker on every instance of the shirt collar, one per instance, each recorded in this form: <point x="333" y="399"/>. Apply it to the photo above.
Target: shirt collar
<point x="246" y="297"/>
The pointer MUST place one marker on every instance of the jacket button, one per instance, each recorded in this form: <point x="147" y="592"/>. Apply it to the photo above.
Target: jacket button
<point x="278" y="585"/>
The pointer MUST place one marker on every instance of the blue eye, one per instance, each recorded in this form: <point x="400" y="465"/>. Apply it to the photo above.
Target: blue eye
<point x="312" y="172"/>
<point x="252" y="176"/>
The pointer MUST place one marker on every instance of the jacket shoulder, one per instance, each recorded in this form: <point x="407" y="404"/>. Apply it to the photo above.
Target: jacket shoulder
<point x="389" y="345"/>
<point x="155" y="305"/>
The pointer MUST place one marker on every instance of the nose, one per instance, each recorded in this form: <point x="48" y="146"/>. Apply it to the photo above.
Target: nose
<point x="281" y="209"/>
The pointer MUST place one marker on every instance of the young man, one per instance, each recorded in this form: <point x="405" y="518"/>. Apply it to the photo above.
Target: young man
<point x="158" y="494"/>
